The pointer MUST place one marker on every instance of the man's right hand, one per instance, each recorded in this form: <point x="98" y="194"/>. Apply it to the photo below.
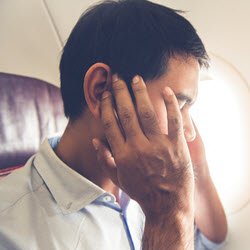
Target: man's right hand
<point x="154" y="169"/>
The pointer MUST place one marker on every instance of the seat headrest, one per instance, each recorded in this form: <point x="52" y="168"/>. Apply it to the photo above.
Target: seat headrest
<point x="30" y="110"/>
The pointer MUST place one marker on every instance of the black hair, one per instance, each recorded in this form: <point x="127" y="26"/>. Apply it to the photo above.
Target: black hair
<point x="132" y="37"/>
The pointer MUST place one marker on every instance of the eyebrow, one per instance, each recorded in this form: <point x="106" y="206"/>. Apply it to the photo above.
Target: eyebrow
<point x="186" y="98"/>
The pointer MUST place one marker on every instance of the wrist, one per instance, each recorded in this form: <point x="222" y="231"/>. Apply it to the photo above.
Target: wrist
<point x="177" y="220"/>
<point x="201" y="173"/>
<point x="203" y="183"/>
<point x="176" y="230"/>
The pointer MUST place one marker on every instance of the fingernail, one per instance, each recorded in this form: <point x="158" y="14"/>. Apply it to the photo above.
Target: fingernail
<point x="168" y="91"/>
<point x="136" y="79"/>
<point x="115" y="78"/>
<point x="95" y="144"/>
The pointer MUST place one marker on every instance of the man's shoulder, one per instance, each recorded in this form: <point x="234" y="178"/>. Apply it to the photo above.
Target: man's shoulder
<point x="17" y="185"/>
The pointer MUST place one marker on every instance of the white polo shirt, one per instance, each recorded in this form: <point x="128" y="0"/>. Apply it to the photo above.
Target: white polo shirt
<point x="48" y="206"/>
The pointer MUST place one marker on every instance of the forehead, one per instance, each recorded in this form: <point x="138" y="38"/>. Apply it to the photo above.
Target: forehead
<point x="182" y="75"/>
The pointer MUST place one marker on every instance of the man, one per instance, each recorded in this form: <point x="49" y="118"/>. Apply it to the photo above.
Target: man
<point x="130" y="170"/>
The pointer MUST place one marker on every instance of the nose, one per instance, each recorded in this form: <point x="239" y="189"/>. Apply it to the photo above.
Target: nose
<point x="188" y="127"/>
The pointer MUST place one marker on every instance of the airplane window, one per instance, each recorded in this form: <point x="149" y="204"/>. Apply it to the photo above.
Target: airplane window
<point x="222" y="115"/>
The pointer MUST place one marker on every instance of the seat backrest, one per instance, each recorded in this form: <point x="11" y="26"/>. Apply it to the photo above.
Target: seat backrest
<point x="30" y="110"/>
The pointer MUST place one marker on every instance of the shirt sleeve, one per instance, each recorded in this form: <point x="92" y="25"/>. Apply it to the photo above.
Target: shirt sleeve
<point x="203" y="243"/>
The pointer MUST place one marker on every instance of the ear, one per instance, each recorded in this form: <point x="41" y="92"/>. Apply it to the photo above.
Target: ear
<point x="96" y="81"/>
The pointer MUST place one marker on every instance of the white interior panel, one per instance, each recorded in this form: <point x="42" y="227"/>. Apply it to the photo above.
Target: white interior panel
<point x="28" y="45"/>
<point x="65" y="14"/>
<point x="239" y="228"/>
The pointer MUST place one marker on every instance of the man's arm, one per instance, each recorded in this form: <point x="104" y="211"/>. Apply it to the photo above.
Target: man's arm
<point x="173" y="231"/>
<point x="210" y="216"/>
<point x="152" y="168"/>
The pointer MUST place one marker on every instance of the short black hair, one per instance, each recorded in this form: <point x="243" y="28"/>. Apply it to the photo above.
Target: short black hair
<point x="132" y="37"/>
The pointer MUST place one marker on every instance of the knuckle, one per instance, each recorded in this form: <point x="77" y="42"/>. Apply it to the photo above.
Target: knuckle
<point x="147" y="114"/>
<point x="107" y="123"/>
<point x="139" y="88"/>
<point x="131" y="133"/>
<point x="153" y="130"/>
<point x="106" y="102"/>
<point x="178" y="131"/>
<point x="149" y="120"/>
<point x="175" y="134"/>
<point x="177" y="123"/>
<point x="118" y="86"/>
<point x="170" y="100"/>
<point x="125" y="114"/>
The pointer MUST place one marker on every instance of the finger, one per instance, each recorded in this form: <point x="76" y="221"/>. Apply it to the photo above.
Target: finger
<point x="197" y="140"/>
<point x="146" y="113"/>
<point x="195" y="128"/>
<point x="105" y="159"/>
<point x="110" y="124"/>
<point x="175" y="125"/>
<point x="125" y="108"/>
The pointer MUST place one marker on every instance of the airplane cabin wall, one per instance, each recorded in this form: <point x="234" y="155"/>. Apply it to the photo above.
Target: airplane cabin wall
<point x="33" y="33"/>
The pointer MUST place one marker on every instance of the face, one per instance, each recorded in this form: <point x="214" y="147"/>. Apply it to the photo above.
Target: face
<point x="182" y="77"/>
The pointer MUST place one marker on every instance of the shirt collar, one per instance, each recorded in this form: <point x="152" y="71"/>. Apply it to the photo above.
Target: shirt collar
<point x="70" y="190"/>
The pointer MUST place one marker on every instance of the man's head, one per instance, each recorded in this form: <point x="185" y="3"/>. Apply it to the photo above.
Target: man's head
<point x="127" y="37"/>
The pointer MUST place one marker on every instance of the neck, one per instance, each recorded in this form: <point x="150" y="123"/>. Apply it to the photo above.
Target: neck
<point x="76" y="150"/>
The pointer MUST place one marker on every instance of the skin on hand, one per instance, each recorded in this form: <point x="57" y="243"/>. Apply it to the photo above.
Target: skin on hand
<point x="155" y="160"/>
<point x="210" y="217"/>
<point x="153" y="168"/>
<point x="198" y="156"/>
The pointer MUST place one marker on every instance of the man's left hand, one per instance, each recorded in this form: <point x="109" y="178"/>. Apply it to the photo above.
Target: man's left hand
<point x="198" y="156"/>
